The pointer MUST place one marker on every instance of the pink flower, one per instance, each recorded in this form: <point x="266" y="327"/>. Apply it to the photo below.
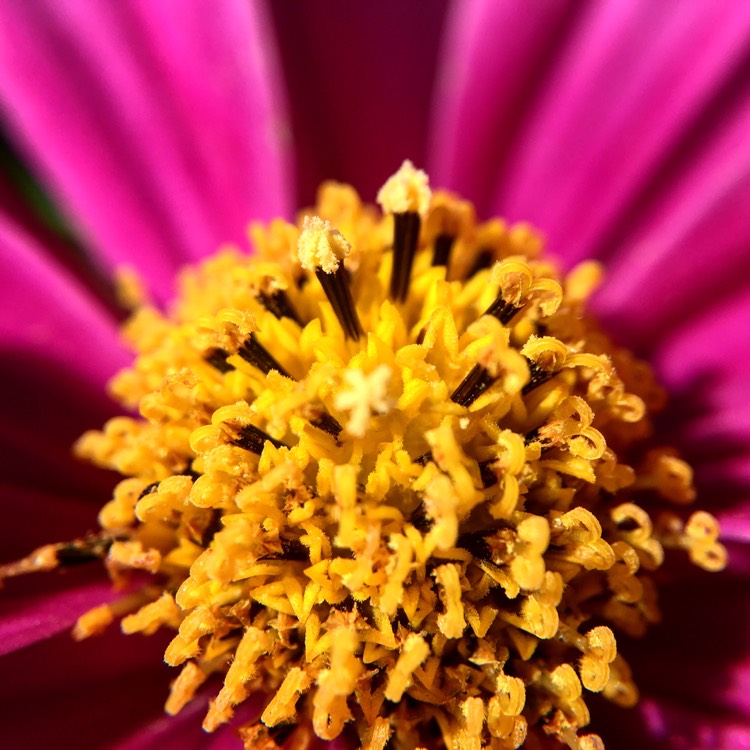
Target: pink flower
<point x="618" y="128"/>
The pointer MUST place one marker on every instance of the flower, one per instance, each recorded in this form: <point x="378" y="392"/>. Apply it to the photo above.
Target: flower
<point x="520" y="137"/>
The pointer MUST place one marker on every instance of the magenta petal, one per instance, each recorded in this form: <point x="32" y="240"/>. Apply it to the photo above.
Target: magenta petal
<point x="689" y="250"/>
<point x="584" y="105"/>
<point x="682" y="727"/>
<point x="614" y="109"/>
<point x="495" y="55"/>
<point x="88" y="693"/>
<point x="59" y="348"/>
<point x="360" y="77"/>
<point x="48" y="314"/>
<point x="703" y="363"/>
<point x="38" y="518"/>
<point x="159" y="126"/>
<point x="25" y="620"/>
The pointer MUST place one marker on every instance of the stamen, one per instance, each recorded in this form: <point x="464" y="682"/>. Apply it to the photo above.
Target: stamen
<point x="406" y="195"/>
<point x="502" y="310"/>
<point x="473" y="386"/>
<point x="443" y="245"/>
<point x="278" y="304"/>
<point x="322" y="249"/>
<point x="537" y="376"/>
<point x="253" y="439"/>
<point x="218" y="358"/>
<point x="456" y="599"/>
<point x="448" y="218"/>
<point x="484" y="259"/>
<point x="256" y="354"/>
<point x="328" y="424"/>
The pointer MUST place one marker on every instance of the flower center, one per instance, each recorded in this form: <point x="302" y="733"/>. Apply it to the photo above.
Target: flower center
<point x="390" y="477"/>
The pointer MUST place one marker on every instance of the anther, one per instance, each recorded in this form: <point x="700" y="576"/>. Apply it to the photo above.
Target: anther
<point x="538" y="376"/>
<point x="483" y="260"/>
<point x="94" y="547"/>
<point x="406" y="195"/>
<point x="448" y="218"/>
<point x="328" y="424"/>
<point x="488" y="476"/>
<point x="443" y="245"/>
<point x="253" y="439"/>
<point x="148" y="489"/>
<point x="502" y="310"/>
<point x="278" y="304"/>
<point x="473" y="386"/>
<point x="256" y="354"/>
<point x="217" y="358"/>
<point x="322" y="249"/>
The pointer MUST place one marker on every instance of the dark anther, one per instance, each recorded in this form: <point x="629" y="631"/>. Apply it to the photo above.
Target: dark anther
<point x="489" y="478"/>
<point x="218" y="358"/>
<point x="532" y="437"/>
<point x="424" y="459"/>
<point x="328" y="424"/>
<point x="345" y="605"/>
<point x="209" y="532"/>
<point x="443" y="247"/>
<point x="472" y="386"/>
<point x="537" y="378"/>
<point x="253" y="439"/>
<point x="189" y="471"/>
<point x="278" y="304"/>
<point x="420" y="520"/>
<point x="293" y="549"/>
<point x="476" y="543"/>
<point x="483" y="260"/>
<point x="339" y="293"/>
<point x="502" y="310"/>
<point x="282" y="732"/>
<point x="84" y="550"/>
<point x="148" y="489"/>
<point x="405" y="238"/>
<point x="256" y="354"/>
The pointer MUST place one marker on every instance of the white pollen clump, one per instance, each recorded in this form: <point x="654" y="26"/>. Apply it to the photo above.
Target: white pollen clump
<point x="407" y="191"/>
<point x="321" y="246"/>
<point x="363" y="396"/>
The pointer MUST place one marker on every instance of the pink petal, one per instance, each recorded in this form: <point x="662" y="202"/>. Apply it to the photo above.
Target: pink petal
<point x="360" y="77"/>
<point x="183" y="732"/>
<point x="159" y="126"/>
<point x="485" y="87"/>
<point x="48" y="314"/>
<point x="615" y="107"/>
<point x="68" y="694"/>
<point x="682" y="727"/>
<point x="59" y="346"/>
<point x="697" y="656"/>
<point x="571" y="115"/>
<point x="709" y="415"/>
<point x="688" y="251"/>
<point x="39" y="518"/>
<point x="24" y="620"/>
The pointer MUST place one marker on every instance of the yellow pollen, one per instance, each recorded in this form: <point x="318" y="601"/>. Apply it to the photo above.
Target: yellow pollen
<point x="407" y="191"/>
<point x="410" y="499"/>
<point x="364" y="395"/>
<point x="321" y="246"/>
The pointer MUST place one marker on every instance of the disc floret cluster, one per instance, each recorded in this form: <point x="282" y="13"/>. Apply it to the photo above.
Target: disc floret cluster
<point x="390" y="478"/>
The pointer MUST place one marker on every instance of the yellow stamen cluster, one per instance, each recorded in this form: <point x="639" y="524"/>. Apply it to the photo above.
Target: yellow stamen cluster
<point x="427" y="533"/>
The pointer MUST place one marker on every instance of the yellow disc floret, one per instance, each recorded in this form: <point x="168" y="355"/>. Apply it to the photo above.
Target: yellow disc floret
<point x="409" y="501"/>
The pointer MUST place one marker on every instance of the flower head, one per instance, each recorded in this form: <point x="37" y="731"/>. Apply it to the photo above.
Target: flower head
<point x="409" y="510"/>
<point x="618" y="130"/>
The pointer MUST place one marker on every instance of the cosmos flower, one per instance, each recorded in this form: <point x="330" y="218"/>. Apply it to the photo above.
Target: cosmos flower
<point x="618" y="129"/>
